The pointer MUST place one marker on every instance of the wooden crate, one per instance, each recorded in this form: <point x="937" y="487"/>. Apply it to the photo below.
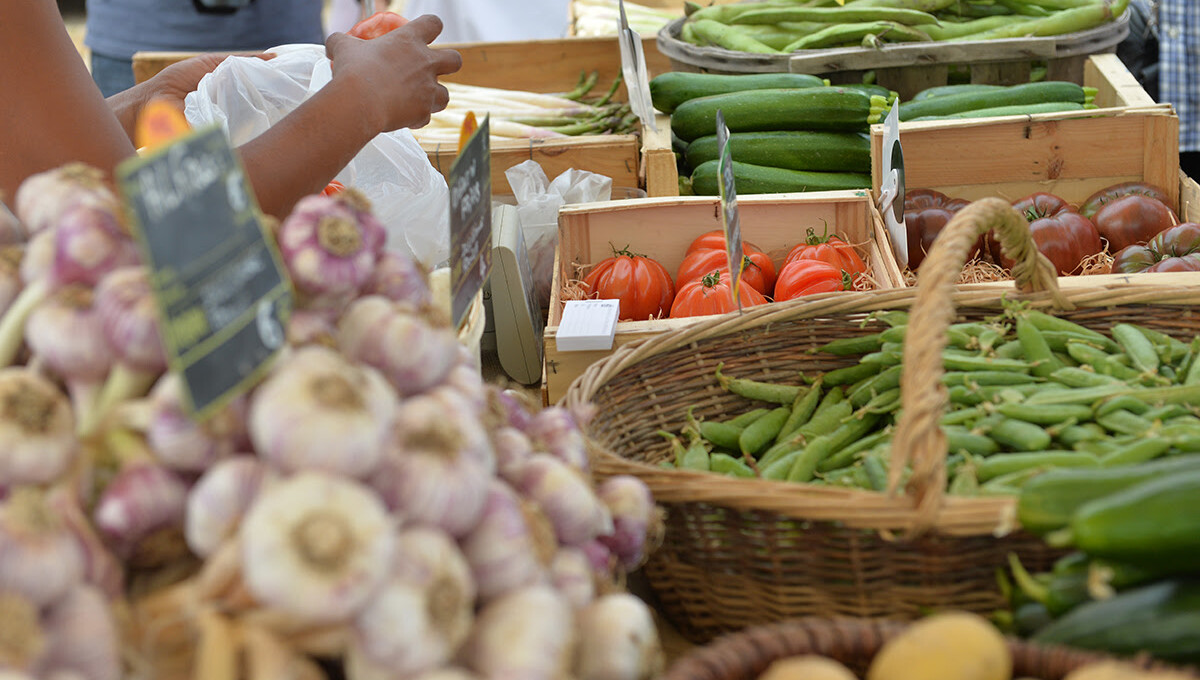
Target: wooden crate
<point x="662" y="228"/>
<point x="535" y="66"/>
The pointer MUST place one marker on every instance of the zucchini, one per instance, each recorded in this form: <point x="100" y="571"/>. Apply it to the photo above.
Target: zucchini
<point x="872" y="89"/>
<point x="792" y="149"/>
<point x="1160" y="619"/>
<point x="1029" y="93"/>
<point x="669" y="90"/>
<point x="811" y="108"/>
<point x="758" y="179"/>
<point x="1014" y="110"/>
<point x="1048" y="501"/>
<point x="1155" y="523"/>
<point x="943" y="90"/>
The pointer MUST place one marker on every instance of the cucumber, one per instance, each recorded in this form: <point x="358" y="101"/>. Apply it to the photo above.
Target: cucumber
<point x="811" y="108"/>
<point x="1155" y="523"/>
<point x="943" y="90"/>
<point x="758" y="179"/>
<point x="1029" y="93"/>
<point x="795" y="150"/>
<point x="669" y="90"/>
<point x="1160" y="619"/>
<point x="1014" y="110"/>
<point x="1048" y="501"/>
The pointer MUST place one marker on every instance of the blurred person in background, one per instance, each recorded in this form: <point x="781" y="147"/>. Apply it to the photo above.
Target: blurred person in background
<point x="493" y="20"/>
<point x="118" y="28"/>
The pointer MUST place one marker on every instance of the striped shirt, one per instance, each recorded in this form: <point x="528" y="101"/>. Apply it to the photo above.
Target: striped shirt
<point x="1179" y="65"/>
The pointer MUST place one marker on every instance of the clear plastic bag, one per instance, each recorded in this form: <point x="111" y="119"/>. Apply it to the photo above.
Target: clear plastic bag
<point x="247" y="95"/>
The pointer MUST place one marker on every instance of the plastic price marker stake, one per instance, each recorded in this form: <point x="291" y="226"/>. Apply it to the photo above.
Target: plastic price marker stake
<point x="633" y="68"/>
<point x="891" y="193"/>
<point x="730" y="222"/>
<point x="219" y="284"/>
<point x="470" y="222"/>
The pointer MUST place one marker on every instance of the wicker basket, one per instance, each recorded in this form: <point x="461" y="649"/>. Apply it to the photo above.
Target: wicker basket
<point x="741" y="552"/>
<point x="852" y="642"/>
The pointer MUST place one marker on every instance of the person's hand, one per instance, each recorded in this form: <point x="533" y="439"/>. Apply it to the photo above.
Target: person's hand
<point x="177" y="80"/>
<point x="395" y="74"/>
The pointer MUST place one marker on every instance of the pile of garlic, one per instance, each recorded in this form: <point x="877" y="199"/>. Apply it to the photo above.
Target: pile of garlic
<point x="372" y="503"/>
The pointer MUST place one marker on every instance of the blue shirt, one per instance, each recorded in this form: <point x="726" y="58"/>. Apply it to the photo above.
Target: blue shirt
<point x="1179" y="59"/>
<point x="118" y="28"/>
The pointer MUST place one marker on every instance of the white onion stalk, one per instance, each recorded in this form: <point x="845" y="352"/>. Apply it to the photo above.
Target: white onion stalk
<point x="39" y="556"/>
<point x="10" y="275"/>
<point x="143" y="499"/>
<point x="83" y="636"/>
<point x="618" y="640"/>
<point x="329" y="246"/>
<point x="441" y="465"/>
<point x="182" y="444"/>
<point x="511" y="547"/>
<point x="42" y="198"/>
<point x="316" y="547"/>
<point x="572" y="575"/>
<point x="399" y="278"/>
<point x="100" y="567"/>
<point x="528" y="633"/>
<point x="65" y="333"/>
<point x="420" y="617"/>
<point x="23" y="640"/>
<point x="567" y="499"/>
<point x="319" y="411"/>
<point x="504" y="127"/>
<point x="635" y="518"/>
<point x="219" y="500"/>
<point x="37" y="429"/>
<point x="556" y="431"/>
<point x="125" y="303"/>
<point x="414" y="347"/>
<point x="517" y="97"/>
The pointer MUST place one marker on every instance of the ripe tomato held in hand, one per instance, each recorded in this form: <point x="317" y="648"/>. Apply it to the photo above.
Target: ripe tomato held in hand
<point x="333" y="188"/>
<point x="1098" y="200"/>
<point x="1131" y="220"/>
<point x="376" y="25"/>
<point x="926" y="213"/>
<point x="1064" y="236"/>
<point x="757" y="269"/>
<point x="830" y="249"/>
<point x="1172" y="250"/>
<point x="806" y="277"/>
<point x="642" y="285"/>
<point x="710" y="294"/>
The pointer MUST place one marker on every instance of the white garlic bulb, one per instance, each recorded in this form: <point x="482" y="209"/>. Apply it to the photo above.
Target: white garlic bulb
<point x="39" y="556"/>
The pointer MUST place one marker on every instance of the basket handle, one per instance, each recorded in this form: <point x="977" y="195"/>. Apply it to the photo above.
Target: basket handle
<point x="919" y="437"/>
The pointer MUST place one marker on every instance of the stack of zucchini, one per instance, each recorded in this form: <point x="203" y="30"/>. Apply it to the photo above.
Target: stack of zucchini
<point x="982" y="101"/>
<point x="789" y="132"/>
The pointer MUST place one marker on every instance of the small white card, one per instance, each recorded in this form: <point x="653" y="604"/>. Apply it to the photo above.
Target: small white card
<point x="587" y="325"/>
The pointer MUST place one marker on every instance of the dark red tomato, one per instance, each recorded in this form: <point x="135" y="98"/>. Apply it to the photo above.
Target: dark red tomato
<point x="1131" y="220"/>
<point x="806" y="277"/>
<point x="1174" y="249"/>
<point x="1098" y="200"/>
<point x="376" y="25"/>
<point x="926" y="212"/>
<point x="1064" y="236"/>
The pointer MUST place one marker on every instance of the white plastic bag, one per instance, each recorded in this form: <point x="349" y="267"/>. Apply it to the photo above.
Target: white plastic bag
<point x="247" y="95"/>
<point x="538" y="201"/>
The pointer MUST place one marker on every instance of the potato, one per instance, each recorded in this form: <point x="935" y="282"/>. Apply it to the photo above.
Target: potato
<point x="947" y="646"/>
<point x="807" y="667"/>
<point x="1114" y="670"/>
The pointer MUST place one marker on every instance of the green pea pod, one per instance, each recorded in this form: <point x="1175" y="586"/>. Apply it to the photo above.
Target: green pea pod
<point x="1139" y="451"/>
<point x="696" y="457"/>
<point x="748" y="417"/>
<point x="863" y="344"/>
<point x="1036" y="349"/>
<point x="726" y="464"/>
<point x="1139" y="348"/>
<point x="1005" y="464"/>
<point x="848" y="454"/>
<point x="757" y="390"/>
<point x="758" y="435"/>
<point x="778" y="470"/>
<point x="825" y="445"/>
<point x="802" y="410"/>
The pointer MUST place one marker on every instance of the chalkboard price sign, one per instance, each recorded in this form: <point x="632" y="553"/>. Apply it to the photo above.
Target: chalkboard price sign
<point x="470" y="222"/>
<point x="222" y="294"/>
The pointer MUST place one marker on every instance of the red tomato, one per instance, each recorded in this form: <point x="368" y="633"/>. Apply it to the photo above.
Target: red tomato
<point x="376" y="25"/>
<point x="1064" y="236"/>
<point x="1132" y="219"/>
<point x="643" y="286"/>
<point x="757" y="269"/>
<point x="1098" y="200"/>
<point x="710" y="294"/>
<point x="333" y="188"/>
<point x="926" y="212"/>
<point x="805" y="277"/>
<point x="1174" y="249"/>
<point x="831" y="249"/>
<point x="714" y="240"/>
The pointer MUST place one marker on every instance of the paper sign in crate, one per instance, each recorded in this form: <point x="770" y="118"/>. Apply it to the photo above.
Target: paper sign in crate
<point x="663" y="228"/>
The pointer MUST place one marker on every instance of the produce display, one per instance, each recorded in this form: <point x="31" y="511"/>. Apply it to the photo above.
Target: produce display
<point x="599" y="17"/>
<point x="786" y="27"/>
<point x="1129" y="221"/>
<point x="372" y="502"/>
<point x="949" y="102"/>
<point x="702" y="286"/>
<point x="789" y="132"/>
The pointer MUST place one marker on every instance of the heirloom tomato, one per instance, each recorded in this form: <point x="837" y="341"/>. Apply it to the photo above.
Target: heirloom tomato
<point x="1098" y="200"/>
<point x="1064" y="236"/>
<point x="757" y="269"/>
<point x="710" y="294"/>
<point x="1172" y="250"/>
<point x="926" y="212"/>
<point x="805" y="277"/>
<point x="1132" y="220"/>
<point x="830" y="249"/>
<point x="642" y="285"/>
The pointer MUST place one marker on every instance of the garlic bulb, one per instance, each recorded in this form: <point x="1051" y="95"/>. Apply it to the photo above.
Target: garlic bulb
<point x="329" y="250"/>
<point x="441" y="465"/>
<point x="37" y="429"/>
<point x="219" y="500"/>
<point x="10" y="275"/>
<point x="566" y="497"/>
<point x="618" y="640"/>
<point x="421" y="616"/>
<point x="634" y="517"/>
<point x="39" y="557"/>
<point x="182" y="444"/>
<point x="142" y="499"/>
<point x="100" y="567"/>
<point x="319" y="411"/>
<point x="37" y="258"/>
<point x="41" y="198"/>
<point x="399" y="278"/>
<point x="311" y="327"/>
<point x="316" y="547"/>
<point x="23" y="640"/>
<point x="415" y="347"/>
<point x="528" y="633"/>
<point x="83" y="636"/>
<point x="572" y="575"/>
<point x="555" y="431"/>
<point x="64" y="332"/>
<point x="512" y="546"/>
<point x="512" y="449"/>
